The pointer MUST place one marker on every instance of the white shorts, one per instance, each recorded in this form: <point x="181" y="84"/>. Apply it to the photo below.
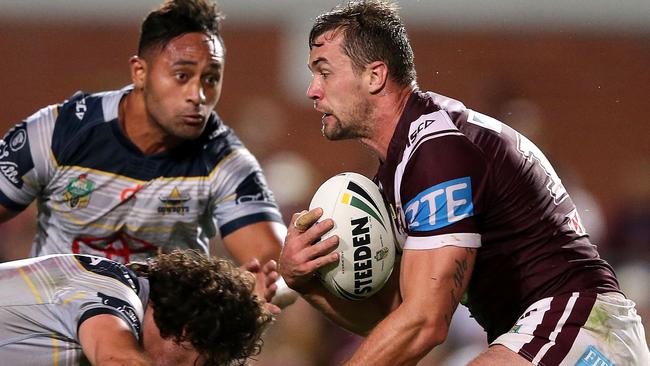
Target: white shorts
<point x="580" y="329"/>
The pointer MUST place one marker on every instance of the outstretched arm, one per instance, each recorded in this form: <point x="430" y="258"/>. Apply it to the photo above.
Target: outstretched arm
<point x="432" y="282"/>
<point x="107" y="341"/>
<point x="265" y="281"/>
<point x="262" y="242"/>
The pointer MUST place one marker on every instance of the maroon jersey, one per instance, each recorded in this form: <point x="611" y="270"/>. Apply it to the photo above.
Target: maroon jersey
<point x="453" y="176"/>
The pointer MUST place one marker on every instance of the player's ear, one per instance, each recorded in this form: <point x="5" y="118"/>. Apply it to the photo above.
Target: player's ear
<point x="138" y="71"/>
<point x="378" y="76"/>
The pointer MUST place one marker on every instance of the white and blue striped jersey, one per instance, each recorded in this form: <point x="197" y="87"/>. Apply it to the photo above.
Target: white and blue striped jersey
<point x="99" y="194"/>
<point x="45" y="300"/>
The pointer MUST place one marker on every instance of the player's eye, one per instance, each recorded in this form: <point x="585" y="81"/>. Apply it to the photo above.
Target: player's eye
<point x="211" y="79"/>
<point x="181" y="76"/>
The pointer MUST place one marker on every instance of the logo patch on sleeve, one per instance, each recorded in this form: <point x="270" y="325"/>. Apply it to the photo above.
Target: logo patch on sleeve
<point x="123" y="307"/>
<point x="440" y="205"/>
<point x="15" y="160"/>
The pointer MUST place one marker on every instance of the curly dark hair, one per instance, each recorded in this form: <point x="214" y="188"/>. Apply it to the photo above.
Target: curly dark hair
<point x="372" y="31"/>
<point x="208" y="302"/>
<point x="177" y="17"/>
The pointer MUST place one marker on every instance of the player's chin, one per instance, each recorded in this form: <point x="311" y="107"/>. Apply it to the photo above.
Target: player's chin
<point x="189" y="132"/>
<point x="328" y="134"/>
<point x="334" y="133"/>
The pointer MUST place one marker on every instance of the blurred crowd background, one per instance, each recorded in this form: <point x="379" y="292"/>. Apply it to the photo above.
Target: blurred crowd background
<point x="572" y="76"/>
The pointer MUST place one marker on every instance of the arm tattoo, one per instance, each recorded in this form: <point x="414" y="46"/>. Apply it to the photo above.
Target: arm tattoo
<point x="459" y="275"/>
<point x="458" y="278"/>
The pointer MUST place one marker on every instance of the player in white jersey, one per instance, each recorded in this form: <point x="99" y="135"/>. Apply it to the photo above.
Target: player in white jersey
<point x="101" y="196"/>
<point x="130" y="173"/>
<point x="177" y="309"/>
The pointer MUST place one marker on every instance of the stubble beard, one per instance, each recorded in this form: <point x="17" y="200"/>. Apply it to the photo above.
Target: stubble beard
<point x="357" y="126"/>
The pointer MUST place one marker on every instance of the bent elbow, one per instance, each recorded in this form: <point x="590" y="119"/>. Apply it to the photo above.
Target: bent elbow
<point x="439" y="336"/>
<point x="436" y="334"/>
<point x="430" y="335"/>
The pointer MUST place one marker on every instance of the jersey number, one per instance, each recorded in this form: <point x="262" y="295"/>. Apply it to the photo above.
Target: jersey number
<point x="531" y="152"/>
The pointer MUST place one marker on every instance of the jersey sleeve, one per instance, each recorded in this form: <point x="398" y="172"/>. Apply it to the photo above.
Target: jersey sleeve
<point x="441" y="193"/>
<point x="105" y="304"/>
<point x="25" y="159"/>
<point x="242" y="196"/>
<point x="119" y="294"/>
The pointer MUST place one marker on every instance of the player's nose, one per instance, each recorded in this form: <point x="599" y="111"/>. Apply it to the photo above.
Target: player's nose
<point x="196" y="94"/>
<point x="314" y="91"/>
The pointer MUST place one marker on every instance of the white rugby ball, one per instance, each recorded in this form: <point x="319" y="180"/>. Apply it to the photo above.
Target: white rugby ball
<point x="366" y="241"/>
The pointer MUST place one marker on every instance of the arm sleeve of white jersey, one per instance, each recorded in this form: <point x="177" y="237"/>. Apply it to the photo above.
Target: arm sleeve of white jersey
<point x="105" y="304"/>
<point x="241" y="194"/>
<point x="25" y="159"/>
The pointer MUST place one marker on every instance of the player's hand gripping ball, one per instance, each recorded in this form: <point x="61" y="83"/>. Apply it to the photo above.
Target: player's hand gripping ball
<point x="366" y="241"/>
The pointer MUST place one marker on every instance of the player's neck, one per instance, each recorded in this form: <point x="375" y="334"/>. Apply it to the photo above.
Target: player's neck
<point x="137" y="126"/>
<point x="389" y="105"/>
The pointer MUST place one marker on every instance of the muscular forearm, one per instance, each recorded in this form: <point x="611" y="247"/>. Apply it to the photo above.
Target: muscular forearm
<point x="402" y="338"/>
<point x="359" y="317"/>
<point x="432" y="282"/>
<point x="262" y="240"/>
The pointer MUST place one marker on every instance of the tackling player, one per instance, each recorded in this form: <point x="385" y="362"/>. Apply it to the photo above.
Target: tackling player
<point x="130" y="173"/>
<point x="177" y="309"/>
<point x="481" y="218"/>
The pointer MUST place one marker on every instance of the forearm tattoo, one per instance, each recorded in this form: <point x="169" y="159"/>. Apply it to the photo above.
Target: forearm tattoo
<point x="459" y="279"/>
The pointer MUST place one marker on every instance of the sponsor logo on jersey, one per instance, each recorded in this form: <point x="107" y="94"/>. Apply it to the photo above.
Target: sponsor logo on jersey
<point x="575" y="223"/>
<point x="123" y="307"/>
<point x="10" y="171"/>
<point x="429" y="126"/>
<point x="18" y="140"/>
<point x="14" y="164"/>
<point x="130" y="192"/>
<point x="399" y="224"/>
<point x="174" y="203"/>
<point x="440" y="205"/>
<point x="78" y="191"/>
<point x="593" y="357"/>
<point x="415" y="130"/>
<point x="253" y="188"/>
<point x="484" y="121"/>
<point x="217" y="131"/>
<point x="80" y="109"/>
<point x="118" y="247"/>
<point x="108" y="268"/>
<point x="8" y="168"/>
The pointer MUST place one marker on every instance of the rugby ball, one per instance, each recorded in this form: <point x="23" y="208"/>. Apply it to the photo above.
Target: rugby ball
<point x="366" y="241"/>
